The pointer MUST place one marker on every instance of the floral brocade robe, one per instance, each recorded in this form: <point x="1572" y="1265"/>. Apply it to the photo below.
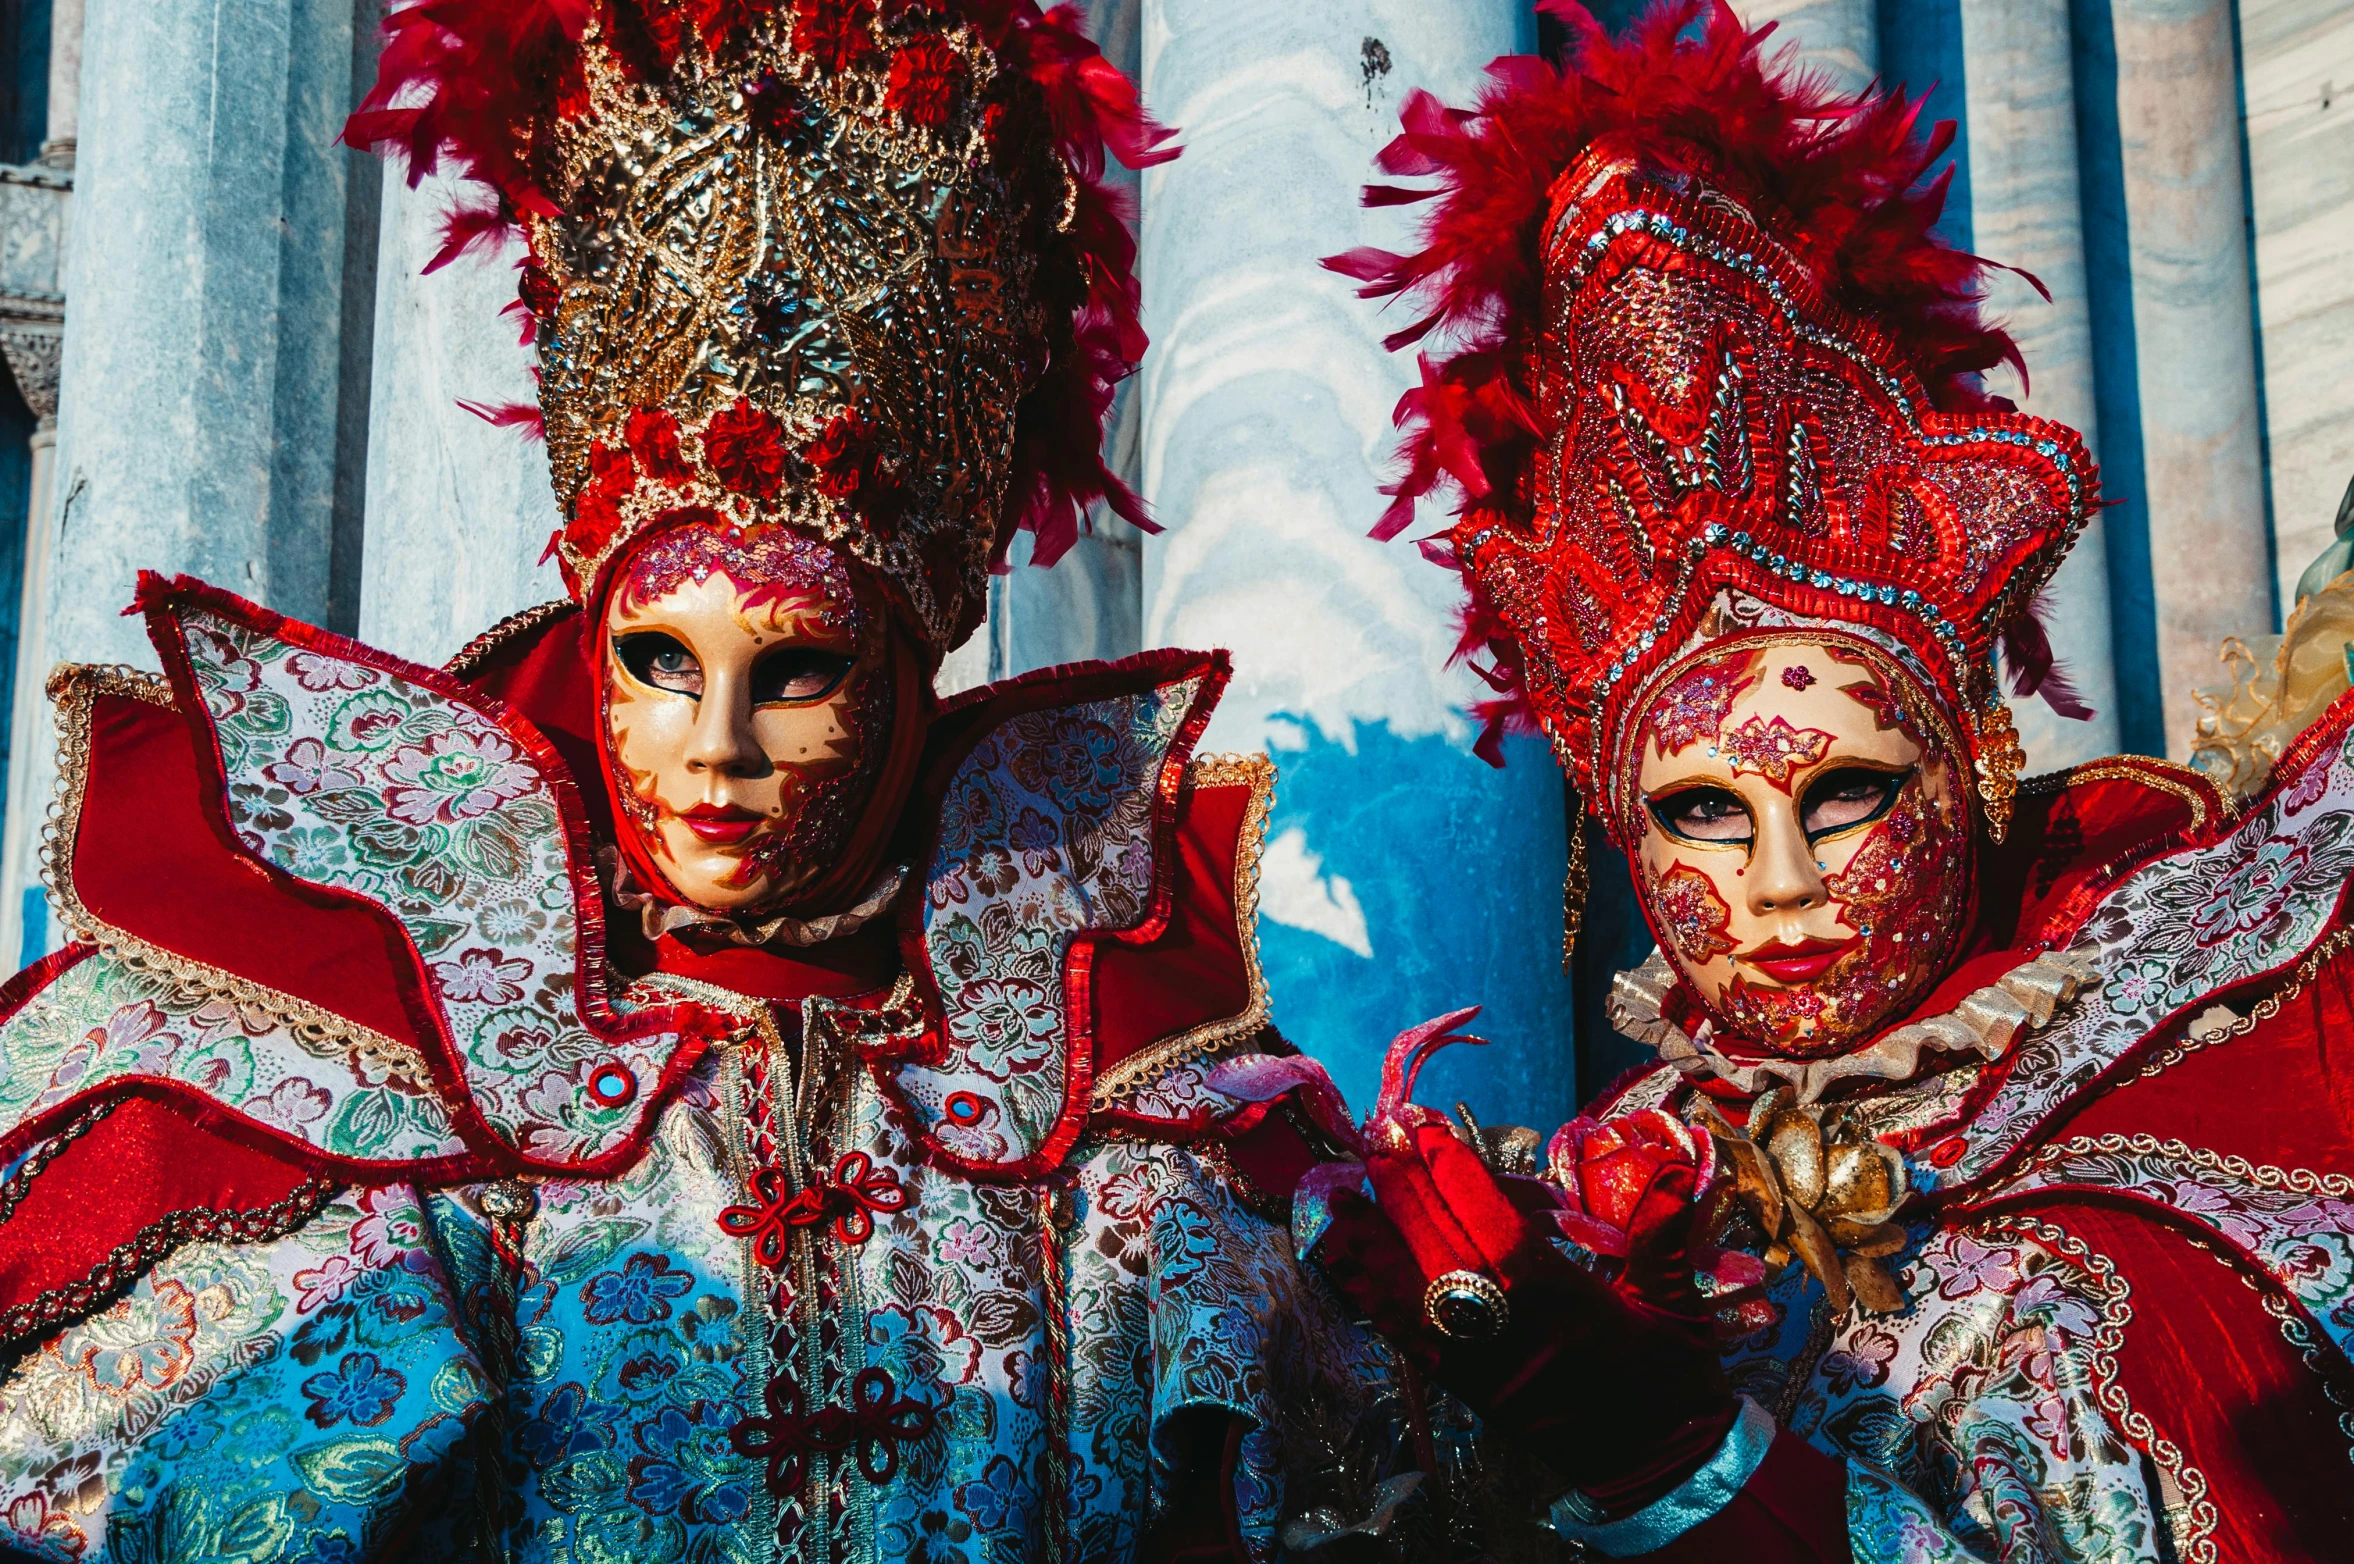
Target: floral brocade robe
<point x="2128" y="1276"/>
<point x="489" y="1255"/>
<point x="407" y="1375"/>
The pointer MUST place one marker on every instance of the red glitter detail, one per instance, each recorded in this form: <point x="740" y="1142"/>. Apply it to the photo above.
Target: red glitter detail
<point x="1772" y="749"/>
<point x="1798" y="677"/>
<point x="1696" y="705"/>
<point x="1687" y="913"/>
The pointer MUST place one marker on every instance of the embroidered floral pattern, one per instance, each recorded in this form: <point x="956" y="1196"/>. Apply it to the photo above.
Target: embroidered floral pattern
<point x="1984" y="1421"/>
<point x="358" y="778"/>
<point x="105" y="1019"/>
<point x="2185" y="926"/>
<point x="221" y="1410"/>
<point x="2297" y="1225"/>
<point x="1046" y="833"/>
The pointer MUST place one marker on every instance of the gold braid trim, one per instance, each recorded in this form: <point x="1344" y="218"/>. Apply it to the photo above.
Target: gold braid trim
<point x="43" y="1315"/>
<point x="2192" y="1523"/>
<point x="75" y="689"/>
<point x="2301" y="1181"/>
<point x="469" y="658"/>
<point x="1132" y="1074"/>
<point x="2263" y="1010"/>
<point x="2311" y="1353"/>
<point x="2192" y="787"/>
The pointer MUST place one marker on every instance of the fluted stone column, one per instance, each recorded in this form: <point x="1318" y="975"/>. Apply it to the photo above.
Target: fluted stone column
<point x="2297" y="59"/>
<point x="65" y="82"/>
<point x="2193" y="328"/>
<point x="200" y="384"/>
<point x="2025" y="212"/>
<point x="1404" y="877"/>
<point x="1839" y="38"/>
<point x="459" y="510"/>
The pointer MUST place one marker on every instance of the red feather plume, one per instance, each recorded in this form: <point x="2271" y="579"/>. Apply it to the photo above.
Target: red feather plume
<point x="1843" y="182"/>
<point x="466" y="83"/>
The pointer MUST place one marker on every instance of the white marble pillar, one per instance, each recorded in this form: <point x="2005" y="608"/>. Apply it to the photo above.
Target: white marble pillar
<point x="1839" y="38"/>
<point x="1404" y="876"/>
<point x="65" y="82"/>
<point x="2194" y="339"/>
<point x="459" y="510"/>
<point x="2025" y="212"/>
<point x="29" y="780"/>
<point x="2297" y="57"/>
<point x="199" y="386"/>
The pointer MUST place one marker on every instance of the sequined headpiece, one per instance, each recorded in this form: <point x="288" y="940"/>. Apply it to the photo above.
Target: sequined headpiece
<point x="842" y="264"/>
<point x="1707" y="353"/>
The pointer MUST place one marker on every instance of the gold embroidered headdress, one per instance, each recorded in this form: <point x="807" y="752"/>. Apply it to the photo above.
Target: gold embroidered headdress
<point x="842" y="264"/>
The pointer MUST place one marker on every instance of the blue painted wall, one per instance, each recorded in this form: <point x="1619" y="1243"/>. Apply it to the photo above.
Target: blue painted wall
<point x="1436" y="846"/>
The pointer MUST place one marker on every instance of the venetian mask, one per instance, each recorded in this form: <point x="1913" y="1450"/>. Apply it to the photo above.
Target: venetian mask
<point x="750" y="708"/>
<point x="1804" y="838"/>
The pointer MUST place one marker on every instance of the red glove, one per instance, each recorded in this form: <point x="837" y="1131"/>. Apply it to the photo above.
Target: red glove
<point x="1614" y="1380"/>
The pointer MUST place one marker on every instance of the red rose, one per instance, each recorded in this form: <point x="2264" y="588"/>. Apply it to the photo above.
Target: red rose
<point x="1623" y="1173"/>
<point x="923" y="81"/>
<point x="595" y="518"/>
<point x="839" y="455"/>
<point x="653" y="438"/>
<point x="538" y="291"/>
<point x="835" y="33"/>
<point x="719" y="21"/>
<point x="745" y="446"/>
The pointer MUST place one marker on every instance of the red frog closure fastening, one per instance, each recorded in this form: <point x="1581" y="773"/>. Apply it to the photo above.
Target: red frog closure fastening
<point x="875" y="1424"/>
<point x="849" y="1196"/>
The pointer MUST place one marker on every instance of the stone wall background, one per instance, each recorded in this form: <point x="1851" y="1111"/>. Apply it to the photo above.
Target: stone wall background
<point x="222" y="358"/>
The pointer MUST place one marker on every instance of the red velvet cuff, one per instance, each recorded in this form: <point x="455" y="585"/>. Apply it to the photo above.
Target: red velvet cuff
<point x="1793" y="1510"/>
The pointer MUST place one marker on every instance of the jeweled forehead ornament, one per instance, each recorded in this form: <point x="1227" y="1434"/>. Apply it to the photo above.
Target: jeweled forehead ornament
<point x="848" y="265"/>
<point x="1721" y="358"/>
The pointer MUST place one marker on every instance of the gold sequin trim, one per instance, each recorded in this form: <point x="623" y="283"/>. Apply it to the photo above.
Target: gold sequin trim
<point x="1132" y="1074"/>
<point x="2181" y="781"/>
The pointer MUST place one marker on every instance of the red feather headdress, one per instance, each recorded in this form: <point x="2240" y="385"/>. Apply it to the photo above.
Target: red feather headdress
<point x="848" y="264"/>
<point x="1703" y="348"/>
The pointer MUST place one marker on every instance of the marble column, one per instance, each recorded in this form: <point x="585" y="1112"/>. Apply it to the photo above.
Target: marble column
<point x="200" y="382"/>
<point x="2297" y="59"/>
<point x="459" y="511"/>
<point x="1404" y="877"/>
<point x="65" y="82"/>
<point x="1839" y="38"/>
<point x="2210" y="556"/>
<point x="2025" y="212"/>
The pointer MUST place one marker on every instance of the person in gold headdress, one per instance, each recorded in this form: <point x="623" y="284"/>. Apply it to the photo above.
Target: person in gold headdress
<point x="663" y="1086"/>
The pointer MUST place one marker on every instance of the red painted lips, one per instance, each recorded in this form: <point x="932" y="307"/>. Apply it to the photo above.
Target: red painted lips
<point x="722" y="825"/>
<point x="1800" y="963"/>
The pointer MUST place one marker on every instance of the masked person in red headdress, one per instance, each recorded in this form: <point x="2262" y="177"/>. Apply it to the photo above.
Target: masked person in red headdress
<point x="1993" y="1197"/>
<point x="662" y="1086"/>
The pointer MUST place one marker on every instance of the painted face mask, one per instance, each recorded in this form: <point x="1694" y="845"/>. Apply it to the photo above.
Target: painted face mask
<point x="1803" y="840"/>
<point x="751" y="710"/>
